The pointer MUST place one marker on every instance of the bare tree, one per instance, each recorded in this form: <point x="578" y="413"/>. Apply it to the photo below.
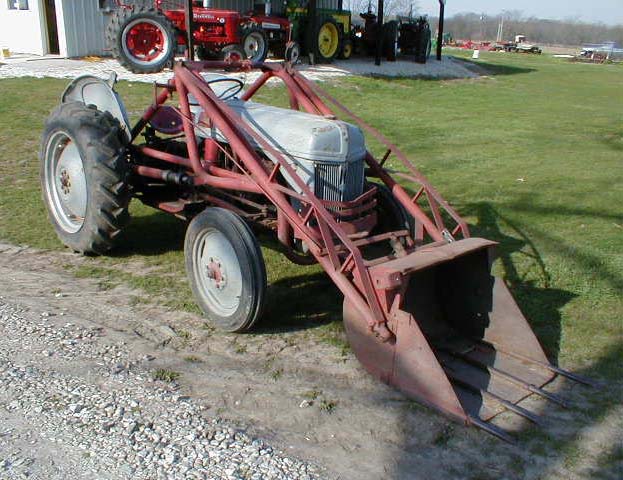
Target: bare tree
<point x="554" y="32"/>
<point x="390" y="8"/>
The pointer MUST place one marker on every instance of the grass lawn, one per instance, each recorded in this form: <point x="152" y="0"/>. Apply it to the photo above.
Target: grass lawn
<point x="532" y="156"/>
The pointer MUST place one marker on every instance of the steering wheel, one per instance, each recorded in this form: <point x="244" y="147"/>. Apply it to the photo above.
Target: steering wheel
<point x="230" y="92"/>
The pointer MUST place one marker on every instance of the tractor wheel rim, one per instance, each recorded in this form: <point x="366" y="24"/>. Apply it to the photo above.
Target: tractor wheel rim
<point x="145" y="41"/>
<point x="328" y="40"/>
<point x="65" y="182"/>
<point x="219" y="272"/>
<point x="254" y="46"/>
<point x="293" y="53"/>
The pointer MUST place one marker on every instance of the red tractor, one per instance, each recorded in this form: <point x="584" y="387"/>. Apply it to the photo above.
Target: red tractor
<point x="145" y="35"/>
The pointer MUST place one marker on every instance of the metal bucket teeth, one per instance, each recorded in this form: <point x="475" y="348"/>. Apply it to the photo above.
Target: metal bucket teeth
<point x="461" y="345"/>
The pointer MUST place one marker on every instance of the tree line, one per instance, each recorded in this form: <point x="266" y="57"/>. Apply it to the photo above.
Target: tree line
<point x="477" y="27"/>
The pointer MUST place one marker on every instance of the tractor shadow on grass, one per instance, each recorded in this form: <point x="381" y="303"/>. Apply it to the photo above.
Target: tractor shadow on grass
<point x="153" y="234"/>
<point x="302" y="302"/>
<point x="305" y="300"/>
<point x="492" y="69"/>
<point x="555" y="445"/>
<point x="540" y="303"/>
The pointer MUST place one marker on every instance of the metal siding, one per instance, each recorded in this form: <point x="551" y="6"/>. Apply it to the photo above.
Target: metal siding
<point x="85" y="24"/>
<point x="242" y="6"/>
<point x="330" y="4"/>
<point x="237" y="5"/>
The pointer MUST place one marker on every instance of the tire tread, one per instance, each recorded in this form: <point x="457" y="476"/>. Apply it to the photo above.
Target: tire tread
<point x="108" y="194"/>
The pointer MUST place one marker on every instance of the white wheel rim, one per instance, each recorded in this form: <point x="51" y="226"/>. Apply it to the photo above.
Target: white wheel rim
<point x="253" y="45"/>
<point x="65" y="182"/>
<point x="221" y="292"/>
<point x="293" y="54"/>
<point x="133" y="55"/>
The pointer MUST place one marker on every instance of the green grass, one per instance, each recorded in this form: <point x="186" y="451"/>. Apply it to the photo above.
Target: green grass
<point x="165" y="375"/>
<point x="530" y="156"/>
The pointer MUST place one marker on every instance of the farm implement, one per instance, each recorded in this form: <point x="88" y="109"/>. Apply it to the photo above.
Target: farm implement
<point x="422" y="311"/>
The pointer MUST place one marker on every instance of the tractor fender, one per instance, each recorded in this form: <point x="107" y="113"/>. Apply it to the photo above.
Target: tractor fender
<point x="92" y="90"/>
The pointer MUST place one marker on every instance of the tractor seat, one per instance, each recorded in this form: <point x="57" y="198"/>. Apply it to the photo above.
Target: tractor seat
<point x="167" y="120"/>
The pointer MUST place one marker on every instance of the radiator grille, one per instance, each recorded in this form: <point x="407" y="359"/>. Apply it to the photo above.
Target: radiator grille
<point x="338" y="182"/>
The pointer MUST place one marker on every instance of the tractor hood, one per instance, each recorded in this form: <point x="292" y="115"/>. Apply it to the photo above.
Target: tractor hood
<point x="301" y="135"/>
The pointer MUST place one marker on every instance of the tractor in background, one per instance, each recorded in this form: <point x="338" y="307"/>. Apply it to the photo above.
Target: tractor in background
<point x="414" y="37"/>
<point x="146" y="35"/>
<point x="404" y="34"/>
<point x="324" y="33"/>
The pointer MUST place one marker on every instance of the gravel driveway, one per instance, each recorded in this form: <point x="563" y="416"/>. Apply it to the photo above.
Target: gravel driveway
<point x="39" y="67"/>
<point x="77" y="402"/>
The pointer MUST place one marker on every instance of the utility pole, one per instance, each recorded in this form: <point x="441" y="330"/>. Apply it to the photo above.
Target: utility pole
<point x="190" y="29"/>
<point x="442" y="8"/>
<point x="500" y="36"/>
<point x="379" y="34"/>
<point x="483" y="19"/>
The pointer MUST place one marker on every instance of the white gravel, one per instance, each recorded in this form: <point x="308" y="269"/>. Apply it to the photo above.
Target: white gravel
<point x="74" y="406"/>
<point x="40" y="67"/>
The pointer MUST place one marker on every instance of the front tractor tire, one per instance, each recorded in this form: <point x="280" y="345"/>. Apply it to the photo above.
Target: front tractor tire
<point x="226" y="270"/>
<point x="233" y="53"/>
<point x="255" y="44"/>
<point x="143" y="40"/>
<point x="347" y="49"/>
<point x="292" y="53"/>
<point x="83" y="171"/>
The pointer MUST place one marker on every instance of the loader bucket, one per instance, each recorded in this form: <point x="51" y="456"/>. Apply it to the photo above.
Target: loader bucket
<point x="461" y="345"/>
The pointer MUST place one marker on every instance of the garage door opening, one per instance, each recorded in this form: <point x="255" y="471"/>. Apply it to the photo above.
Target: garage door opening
<point x="51" y="26"/>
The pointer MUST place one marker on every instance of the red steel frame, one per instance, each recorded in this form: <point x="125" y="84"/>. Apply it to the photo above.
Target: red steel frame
<point x="334" y="242"/>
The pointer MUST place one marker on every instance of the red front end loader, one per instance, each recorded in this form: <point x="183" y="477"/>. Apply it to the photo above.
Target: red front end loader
<point x="422" y="311"/>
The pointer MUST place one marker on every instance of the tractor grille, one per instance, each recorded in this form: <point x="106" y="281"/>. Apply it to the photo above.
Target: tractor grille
<point x="338" y="182"/>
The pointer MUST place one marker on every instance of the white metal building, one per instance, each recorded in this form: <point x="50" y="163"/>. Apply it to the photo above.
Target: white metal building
<point x="71" y="28"/>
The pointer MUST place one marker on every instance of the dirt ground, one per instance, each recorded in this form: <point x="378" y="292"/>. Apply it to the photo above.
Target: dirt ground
<point x="313" y="400"/>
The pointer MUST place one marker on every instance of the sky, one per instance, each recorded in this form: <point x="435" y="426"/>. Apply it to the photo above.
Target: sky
<point x="605" y="11"/>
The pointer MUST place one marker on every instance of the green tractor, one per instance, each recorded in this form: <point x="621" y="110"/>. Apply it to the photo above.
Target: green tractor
<point x="323" y="33"/>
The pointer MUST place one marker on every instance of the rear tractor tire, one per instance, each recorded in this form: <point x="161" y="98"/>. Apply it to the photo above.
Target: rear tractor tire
<point x="142" y="39"/>
<point x="226" y="270"/>
<point x="83" y="171"/>
<point x="324" y="40"/>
